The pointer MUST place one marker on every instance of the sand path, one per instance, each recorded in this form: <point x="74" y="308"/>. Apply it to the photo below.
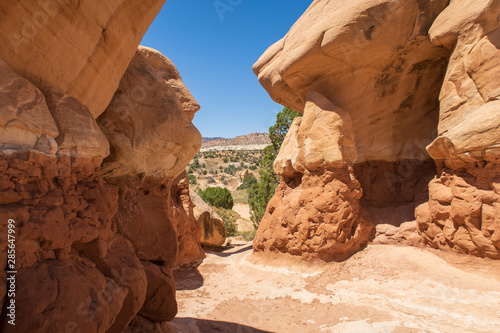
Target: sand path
<point x="381" y="289"/>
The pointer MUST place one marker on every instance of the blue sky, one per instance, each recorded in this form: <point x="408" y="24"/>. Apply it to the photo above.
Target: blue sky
<point x="214" y="50"/>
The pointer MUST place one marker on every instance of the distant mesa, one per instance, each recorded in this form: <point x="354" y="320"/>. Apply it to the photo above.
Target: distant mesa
<point x="212" y="139"/>
<point x="240" y="142"/>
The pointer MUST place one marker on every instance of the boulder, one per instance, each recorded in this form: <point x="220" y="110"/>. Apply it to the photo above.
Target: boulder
<point x="213" y="229"/>
<point x="25" y="118"/>
<point x="82" y="49"/>
<point x="160" y="304"/>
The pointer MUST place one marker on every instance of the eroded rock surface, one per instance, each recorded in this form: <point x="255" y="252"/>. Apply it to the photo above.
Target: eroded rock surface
<point x="384" y="63"/>
<point x="464" y="206"/>
<point x="317" y="201"/>
<point x="144" y="118"/>
<point x="75" y="272"/>
<point x="375" y="61"/>
<point x="418" y="80"/>
<point x="166" y="71"/>
<point x="25" y="118"/>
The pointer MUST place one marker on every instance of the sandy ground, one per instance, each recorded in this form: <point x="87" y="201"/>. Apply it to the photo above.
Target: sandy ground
<point x="244" y="224"/>
<point x="381" y="289"/>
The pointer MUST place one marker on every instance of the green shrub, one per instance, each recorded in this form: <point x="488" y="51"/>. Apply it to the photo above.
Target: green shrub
<point x="195" y="164"/>
<point x="192" y="179"/>
<point x="218" y="197"/>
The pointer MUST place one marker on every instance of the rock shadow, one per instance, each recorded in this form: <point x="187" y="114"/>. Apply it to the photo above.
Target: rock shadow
<point x="209" y="326"/>
<point x="228" y="254"/>
<point x="188" y="278"/>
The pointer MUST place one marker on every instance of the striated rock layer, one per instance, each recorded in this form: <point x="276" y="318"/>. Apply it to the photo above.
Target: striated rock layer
<point x="417" y="79"/>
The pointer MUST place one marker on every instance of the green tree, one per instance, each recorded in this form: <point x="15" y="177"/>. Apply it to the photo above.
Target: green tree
<point x="218" y="197"/>
<point x="248" y="182"/>
<point x="278" y="131"/>
<point x="262" y="191"/>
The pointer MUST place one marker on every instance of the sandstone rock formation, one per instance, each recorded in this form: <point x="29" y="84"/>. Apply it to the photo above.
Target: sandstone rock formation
<point x="159" y="306"/>
<point x="382" y="48"/>
<point x="463" y="212"/>
<point x="138" y="125"/>
<point x="81" y="48"/>
<point x="213" y="230"/>
<point x="25" y="118"/>
<point x="166" y="71"/>
<point x="375" y="63"/>
<point x="384" y="63"/>
<point x="75" y="272"/>
<point x="317" y="201"/>
<point x="185" y="223"/>
<point x="51" y="186"/>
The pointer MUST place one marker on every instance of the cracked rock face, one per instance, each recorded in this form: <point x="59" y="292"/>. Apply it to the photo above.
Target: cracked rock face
<point x="418" y="81"/>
